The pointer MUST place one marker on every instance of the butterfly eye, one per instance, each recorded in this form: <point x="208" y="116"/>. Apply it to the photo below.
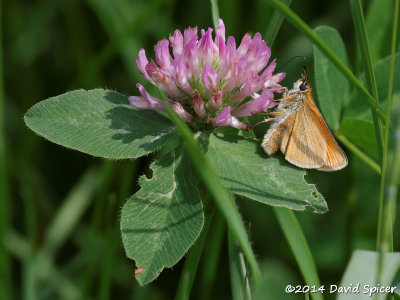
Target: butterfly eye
<point x="303" y="87"/>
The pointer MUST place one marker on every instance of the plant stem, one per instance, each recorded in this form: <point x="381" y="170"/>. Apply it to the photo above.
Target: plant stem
<point x="70" y="212"/>
<point x="384" y="240"/>
<point x="192" y="262"/>
<point x="361" y="33"/>
<point x="5" y="210"/>
<point x="221" y="195"/>
<point x="212" y="253"/>
<point x="238" y="271"/>
<point x="105" y="175"/>
<point x="215" y="13"/>
<point x="30" y="282"/>
<point x="300" y="249"/>
<point x="274" y="25"/>
<point x="46" y="271"/>
<point x="361" y="155"/>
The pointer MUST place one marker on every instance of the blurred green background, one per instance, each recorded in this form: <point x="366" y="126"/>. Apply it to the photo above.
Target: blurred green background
<point x="59" y="219"/>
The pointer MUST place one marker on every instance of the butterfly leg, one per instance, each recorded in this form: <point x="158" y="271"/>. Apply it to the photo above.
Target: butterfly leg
<point x="275" y="113"/>
<point x="263" y="121"/>
<point x="286" y="98"/>
<point x="284" y="88"/>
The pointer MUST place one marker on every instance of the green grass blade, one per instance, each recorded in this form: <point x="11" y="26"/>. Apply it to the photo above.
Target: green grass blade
<point x="221" y="195"/>
<point x="112" y="237"/>
<point x="214" y="12"/>
<point x="118" y="40"/>
<point x="392" y="192"/>
<point x="70" y="212"/>
<point x="45" y="270"/>
<point x="360" y="154"/>
<point x="387" y="211"/>
<point x="29" y="279"/>
<point x="378" y="26"/>
<point x="361" y="33"/>
<point x="122" y="21"/>
<point x="300" y="249"/>
<point x="192" y="262"/>
<point x="30" y="283"/>
<point x="5" y="210"/>
<point x="106" y="173"/>
<point x="274" y="25"/>
<point x="238" y="271"/>
<point x="362" y="269"/>
<point x="307" y="31"/>
<point x="211" y="255"/>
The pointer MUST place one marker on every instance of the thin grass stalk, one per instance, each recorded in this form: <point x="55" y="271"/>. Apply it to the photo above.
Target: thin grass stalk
<point x="192" y="262"/>
<point x="238" y="271"/>
<point x="111" y="237"/>
<point x="359" y="153"/>
<point x="221" y="195"/>
<point x="5" y="210"/>
<point x="275" y="24"/>
<point x="30" y="284"/>
<point x="19" y="247"/>
<point x="384" y="239"/>
<point x="300" y="249"/>
<point x="387" y="207"/>
<point x="389" y="212"/>
<point x="211" y="255"/>
<point x="121" y="31"/>
<point x="106" y="175"/>
<point x="307" y="31"/>
<point x="70" y="212"/>
<point x="362" y="38"/>
<point x="97" y="62"/>
<point x="214" y="12"/>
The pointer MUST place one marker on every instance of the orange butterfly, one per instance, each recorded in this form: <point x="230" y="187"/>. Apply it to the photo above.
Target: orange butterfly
<point x="301" y="133"/>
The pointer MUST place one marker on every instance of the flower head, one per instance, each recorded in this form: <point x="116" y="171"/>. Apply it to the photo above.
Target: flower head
<point x="209" y="80"/>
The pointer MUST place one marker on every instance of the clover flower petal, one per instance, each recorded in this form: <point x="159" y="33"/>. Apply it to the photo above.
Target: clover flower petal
<point x="176" y="43"/>
<point x="207" y="49"/>
<point x="141" y="64"/>
<point x="209" y="78"/>
<point x="260" y="103"/>
<point x="181" y="112"/>
<point x="189" y="35"/>
<point x="198" y="106"/>
<point x="191" y="59"/>
<point x="146" y="101"/>
<point x="216" y="99"/>
<point x="224" y="118"/>
<point x="220" y="32"/>
<point x="180" y="74"/>
<point x="163" y="57"/>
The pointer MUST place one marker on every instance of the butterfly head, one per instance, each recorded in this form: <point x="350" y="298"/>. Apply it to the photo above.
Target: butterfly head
<point x="301" y="86"/>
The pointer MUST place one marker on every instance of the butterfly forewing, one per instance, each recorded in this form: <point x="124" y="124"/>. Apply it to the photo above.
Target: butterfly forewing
<point x="336" y="158"/>
<point x="304" y="138"/>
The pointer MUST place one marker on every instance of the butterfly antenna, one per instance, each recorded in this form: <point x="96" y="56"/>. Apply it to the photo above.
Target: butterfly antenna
<point x="305" y="74"/>
<point x="293" y="58"/>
